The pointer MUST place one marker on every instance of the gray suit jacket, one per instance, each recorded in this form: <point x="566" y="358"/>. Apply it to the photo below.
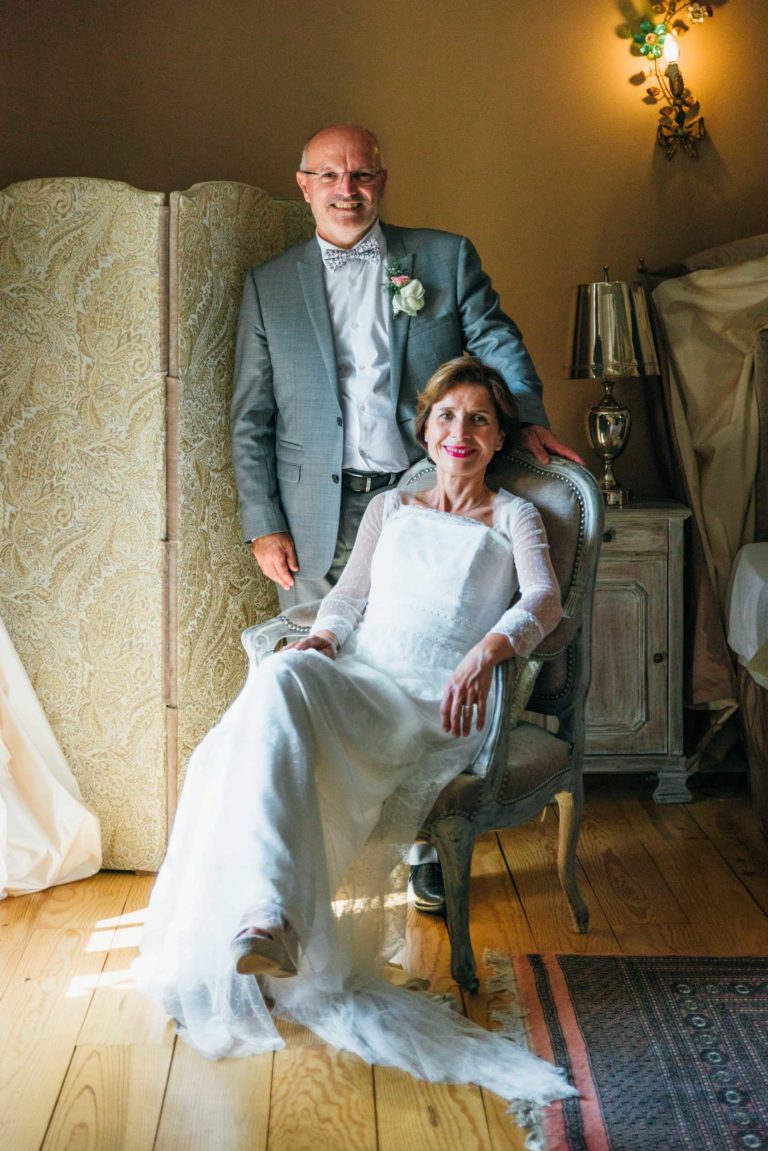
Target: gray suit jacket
<point x="287" y="427"/>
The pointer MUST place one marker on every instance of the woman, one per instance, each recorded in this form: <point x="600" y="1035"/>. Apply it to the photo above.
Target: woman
<point x="332" y="755"/>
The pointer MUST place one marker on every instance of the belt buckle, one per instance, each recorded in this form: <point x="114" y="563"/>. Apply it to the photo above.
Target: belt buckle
<point x="368" y="482"/>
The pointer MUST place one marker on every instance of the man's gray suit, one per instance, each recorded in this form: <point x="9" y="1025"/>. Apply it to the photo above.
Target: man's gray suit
<point x="287" y="426"/>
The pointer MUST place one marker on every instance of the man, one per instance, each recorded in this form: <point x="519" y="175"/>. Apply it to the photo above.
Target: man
<point x="335" y="340"/>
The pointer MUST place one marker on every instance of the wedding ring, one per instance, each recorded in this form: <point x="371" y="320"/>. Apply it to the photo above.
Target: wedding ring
<point x="468" y="707"/>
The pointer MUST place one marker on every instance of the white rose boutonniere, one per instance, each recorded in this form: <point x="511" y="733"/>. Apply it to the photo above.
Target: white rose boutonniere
<point x="408" y="295"/>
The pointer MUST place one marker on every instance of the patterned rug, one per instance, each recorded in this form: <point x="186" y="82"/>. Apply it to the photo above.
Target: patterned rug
<point x="669" y="1054"/>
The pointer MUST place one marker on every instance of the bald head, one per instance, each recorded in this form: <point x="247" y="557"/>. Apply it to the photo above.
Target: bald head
<point x="348" y="130"/>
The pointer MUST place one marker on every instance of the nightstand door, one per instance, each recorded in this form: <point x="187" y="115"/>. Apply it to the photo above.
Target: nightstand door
<point x="635" y="703"/>
<point x="627" y="703"/>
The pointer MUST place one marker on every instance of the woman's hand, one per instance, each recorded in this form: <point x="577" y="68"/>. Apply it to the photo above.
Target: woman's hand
<point x="469" y="685"/>
<point x="323" y="641"/>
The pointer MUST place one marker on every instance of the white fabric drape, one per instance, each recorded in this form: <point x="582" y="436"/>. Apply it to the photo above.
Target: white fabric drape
<point x="748" y="611"/>
<point x="712" y="318"/>
<point x="47" y="835"/>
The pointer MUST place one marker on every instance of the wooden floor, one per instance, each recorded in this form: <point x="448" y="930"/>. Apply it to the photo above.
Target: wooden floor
<point x="87" y="1065"/>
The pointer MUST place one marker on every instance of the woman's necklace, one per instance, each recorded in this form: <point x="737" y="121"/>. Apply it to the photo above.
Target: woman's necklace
<point x="485" y="501"/>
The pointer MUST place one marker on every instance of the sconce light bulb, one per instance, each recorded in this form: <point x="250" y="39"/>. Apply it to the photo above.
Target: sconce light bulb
<point x="671" y="50"/>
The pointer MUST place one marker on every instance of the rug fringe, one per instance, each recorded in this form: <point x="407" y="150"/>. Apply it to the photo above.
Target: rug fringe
<point x="510" y="1018"/>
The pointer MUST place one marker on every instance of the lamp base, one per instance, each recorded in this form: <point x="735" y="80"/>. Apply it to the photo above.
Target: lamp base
<point x="608" y="425"/>
<point x="615" y="497"/>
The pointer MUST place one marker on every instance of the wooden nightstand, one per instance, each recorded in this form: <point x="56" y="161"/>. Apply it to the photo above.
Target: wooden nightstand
<point x="635" y="703"/>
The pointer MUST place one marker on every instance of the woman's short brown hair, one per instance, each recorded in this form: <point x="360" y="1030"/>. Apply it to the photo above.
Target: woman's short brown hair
<point x="469" y="370"/>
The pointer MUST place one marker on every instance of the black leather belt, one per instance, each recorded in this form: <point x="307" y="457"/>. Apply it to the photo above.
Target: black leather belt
<point x="368" y="481"/>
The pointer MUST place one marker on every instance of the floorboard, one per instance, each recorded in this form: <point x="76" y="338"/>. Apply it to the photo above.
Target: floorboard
<point x="110" y="1100"/>
<point x="428" y="1116"/>
<point x="322" y="1100"/>
<point x="210" y="1106"/>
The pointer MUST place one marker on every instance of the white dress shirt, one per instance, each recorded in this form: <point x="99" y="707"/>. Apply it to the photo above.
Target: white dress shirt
<point x="360" y="314"/>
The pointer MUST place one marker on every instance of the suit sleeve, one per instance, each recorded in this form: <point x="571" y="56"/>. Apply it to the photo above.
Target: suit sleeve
<point x="493" y="336"/>
<point x="252" y="423"/>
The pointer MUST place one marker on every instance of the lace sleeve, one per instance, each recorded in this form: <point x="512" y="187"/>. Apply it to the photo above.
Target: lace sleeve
<point x="537" y="612"/>
<point x="342" y="609"/>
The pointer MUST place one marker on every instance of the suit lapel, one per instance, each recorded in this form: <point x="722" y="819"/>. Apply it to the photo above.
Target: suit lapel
<point x="398" y="325"/>
<point x="310" y="268"/>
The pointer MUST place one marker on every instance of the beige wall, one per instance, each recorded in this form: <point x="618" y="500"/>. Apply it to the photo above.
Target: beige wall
<point x="515" y="123"/>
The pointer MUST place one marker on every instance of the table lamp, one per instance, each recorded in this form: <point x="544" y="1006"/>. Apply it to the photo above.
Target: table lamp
<point x="612" y="340"/>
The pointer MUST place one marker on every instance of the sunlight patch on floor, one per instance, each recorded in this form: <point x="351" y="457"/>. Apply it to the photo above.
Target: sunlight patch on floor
<point x="114" y="940"/>
<point x="137" y="916"/>
<point x="86" y="984"/>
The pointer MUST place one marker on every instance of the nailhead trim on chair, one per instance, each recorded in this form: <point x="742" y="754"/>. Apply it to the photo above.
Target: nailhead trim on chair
<point x="450" y="813"/>
<point x="303" y="628"/>
<point x="501" y="796"/>
<point x="566" y="688"/>
<point x="425" y="471"/>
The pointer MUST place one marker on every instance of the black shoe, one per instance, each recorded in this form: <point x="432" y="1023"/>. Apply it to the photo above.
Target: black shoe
<point x="426" y="883"/>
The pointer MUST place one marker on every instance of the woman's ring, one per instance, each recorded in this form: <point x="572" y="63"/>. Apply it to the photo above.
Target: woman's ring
<point x="468" y="707"/>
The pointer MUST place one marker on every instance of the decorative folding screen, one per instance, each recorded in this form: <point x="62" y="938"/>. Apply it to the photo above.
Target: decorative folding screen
<point x="123" y="582"/>
<point x="82" y="417"/>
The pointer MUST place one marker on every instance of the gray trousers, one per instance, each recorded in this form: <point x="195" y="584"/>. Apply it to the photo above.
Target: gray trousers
<point x="353" y="505"/>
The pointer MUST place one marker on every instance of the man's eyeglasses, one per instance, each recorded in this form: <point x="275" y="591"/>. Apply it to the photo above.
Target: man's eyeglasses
<point x="329" y="178"/>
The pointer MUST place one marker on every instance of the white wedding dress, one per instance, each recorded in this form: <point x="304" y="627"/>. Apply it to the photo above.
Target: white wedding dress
<point x="295" y="804"/>
<point x="47" y="834"/>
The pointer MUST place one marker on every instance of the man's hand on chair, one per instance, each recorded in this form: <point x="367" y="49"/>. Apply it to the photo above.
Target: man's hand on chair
<point x="542" y="444"/>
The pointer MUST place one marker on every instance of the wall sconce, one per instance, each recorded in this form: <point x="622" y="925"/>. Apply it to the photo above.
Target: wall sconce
<point x="612" y="340"/>
<point x="680" y="124"/>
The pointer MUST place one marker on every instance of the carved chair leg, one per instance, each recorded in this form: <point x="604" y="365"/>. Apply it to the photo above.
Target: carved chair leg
<point x="454" y="839"/>
<point x="570" y="806"/>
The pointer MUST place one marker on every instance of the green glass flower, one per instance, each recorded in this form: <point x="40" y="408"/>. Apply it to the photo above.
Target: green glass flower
<point x="651" y="39"/>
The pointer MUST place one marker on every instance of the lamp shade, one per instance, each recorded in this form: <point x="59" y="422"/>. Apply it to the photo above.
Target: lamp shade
<point x="612" y="334"/>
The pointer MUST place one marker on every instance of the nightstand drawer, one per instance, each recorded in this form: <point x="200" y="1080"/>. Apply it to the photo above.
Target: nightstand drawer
<point x="634" y="536"/>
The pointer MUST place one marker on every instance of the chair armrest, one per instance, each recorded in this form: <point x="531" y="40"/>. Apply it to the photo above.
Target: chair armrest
<point x="263" y="638"/>
<point x="521" y="678"/>
<point x="513" y="681"/>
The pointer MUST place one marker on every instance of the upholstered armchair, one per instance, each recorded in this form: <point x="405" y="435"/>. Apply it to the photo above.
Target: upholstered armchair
<point x="532" y="763"/>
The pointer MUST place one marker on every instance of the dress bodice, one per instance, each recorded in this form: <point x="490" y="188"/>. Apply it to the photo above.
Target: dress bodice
<point x="435" y="583"/>
<point x="438" y="584"/>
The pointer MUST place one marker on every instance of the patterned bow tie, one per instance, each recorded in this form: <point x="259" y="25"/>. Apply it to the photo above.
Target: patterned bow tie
<point x="367" y="250"/>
